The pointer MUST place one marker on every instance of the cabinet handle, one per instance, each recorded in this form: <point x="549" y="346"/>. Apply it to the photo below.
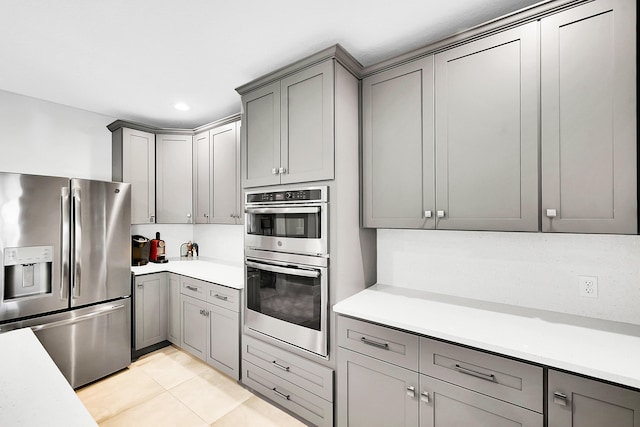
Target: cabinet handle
<point x="427" y="214"/>
<point x="552" y="213"/>
<point x="152" y="218"/>
<point x="206" y="215"/>
<point x="284" y="396"/>
<point x="382" y="345"/>
<point x="559" y="398"/>
<point x="222" y="297"/>
<point x="481" y="375"/>
<point x="282" y="170"/>
<point x="191" y="288"/>
<point x="411" y="391"/>
<point x="440" y="214"/>
<point x="274" y="171"/>
<point x="204" y="313"/>
<point x="141" y="286"/>
<point x="424" y="396"/>
<point x="277" y="365"/>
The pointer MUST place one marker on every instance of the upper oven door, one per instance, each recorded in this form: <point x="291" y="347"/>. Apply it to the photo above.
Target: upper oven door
<point x="288" y="228"/>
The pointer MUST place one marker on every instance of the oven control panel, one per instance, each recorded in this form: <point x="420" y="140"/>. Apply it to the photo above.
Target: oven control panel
<point x="305" y="195"/>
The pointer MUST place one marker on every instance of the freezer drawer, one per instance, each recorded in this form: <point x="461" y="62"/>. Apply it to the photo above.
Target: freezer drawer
<point x="88" y="343"/>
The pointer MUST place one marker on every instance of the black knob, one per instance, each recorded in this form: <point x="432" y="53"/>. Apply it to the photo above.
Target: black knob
<point x="287" y="195"/>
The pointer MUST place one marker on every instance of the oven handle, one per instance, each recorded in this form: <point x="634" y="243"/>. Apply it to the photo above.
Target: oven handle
<point x="284" y="270"/>
<point x="294" y="210"/>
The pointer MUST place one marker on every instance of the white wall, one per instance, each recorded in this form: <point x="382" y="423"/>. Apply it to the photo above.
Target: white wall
<point x="224" y="242"/>
<point x="45" y="138"/>
<point x="537" y="270"/>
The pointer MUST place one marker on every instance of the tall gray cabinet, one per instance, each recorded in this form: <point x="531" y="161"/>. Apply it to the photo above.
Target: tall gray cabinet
<point x="589" y="181"/>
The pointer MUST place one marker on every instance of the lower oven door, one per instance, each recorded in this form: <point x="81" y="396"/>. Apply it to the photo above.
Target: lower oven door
<point x="288" y="302"/>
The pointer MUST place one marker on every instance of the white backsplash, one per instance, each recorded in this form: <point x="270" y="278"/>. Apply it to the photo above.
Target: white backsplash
<point x="219" y="241"/>
<point x="537" y="270"/>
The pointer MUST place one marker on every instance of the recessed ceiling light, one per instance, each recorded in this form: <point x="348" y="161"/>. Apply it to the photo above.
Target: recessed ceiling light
<point x="181" y="106"/>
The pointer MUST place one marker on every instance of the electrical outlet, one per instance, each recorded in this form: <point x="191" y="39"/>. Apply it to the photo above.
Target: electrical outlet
<point x="588" y="286"/>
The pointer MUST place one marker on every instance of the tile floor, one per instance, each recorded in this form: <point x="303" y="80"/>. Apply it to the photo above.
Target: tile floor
<point x="169" y="387"/>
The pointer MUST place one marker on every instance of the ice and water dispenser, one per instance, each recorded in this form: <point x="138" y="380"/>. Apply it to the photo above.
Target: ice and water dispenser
<point x="27" y="271"/>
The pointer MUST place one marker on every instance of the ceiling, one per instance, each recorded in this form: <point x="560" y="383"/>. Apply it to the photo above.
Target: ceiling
<point x="134" y="59"/>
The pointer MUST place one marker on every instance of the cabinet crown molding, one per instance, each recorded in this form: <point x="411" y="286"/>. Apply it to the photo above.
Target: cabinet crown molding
<point x="118" y="124"/>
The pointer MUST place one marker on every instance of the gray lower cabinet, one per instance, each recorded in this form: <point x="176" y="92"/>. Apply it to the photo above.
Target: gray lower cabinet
<point x="174" y="333"/>
<point x="589" y="119"/>
<point x="174" y="179"/>
<point x="150" y="310"/>
<point x="211" y="324"/>
<point x="293" y="382"/>
<point x="579" y="402"/>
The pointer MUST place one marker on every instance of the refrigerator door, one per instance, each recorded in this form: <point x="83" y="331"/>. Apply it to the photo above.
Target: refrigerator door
<point x="86" y="344"/>
<point x="33" y="243"/>
<point x="101" y="241"/>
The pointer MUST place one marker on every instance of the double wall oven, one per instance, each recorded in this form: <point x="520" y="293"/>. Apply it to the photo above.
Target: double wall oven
<point x="286" y="266"/>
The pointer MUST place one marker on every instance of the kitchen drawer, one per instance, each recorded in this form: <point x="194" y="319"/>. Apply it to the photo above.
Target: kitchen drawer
<point x="299" y="401"/>
<point x="224" y="297"/>
<point x="505" y="379"/>
<point x="390" y="345"/>
<point x="312" y="377"/>
<point x="194" y="288"/>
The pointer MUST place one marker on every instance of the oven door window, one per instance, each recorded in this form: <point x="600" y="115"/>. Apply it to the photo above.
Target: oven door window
<point x="288" y="297"/>
<point x="293" y="225"/>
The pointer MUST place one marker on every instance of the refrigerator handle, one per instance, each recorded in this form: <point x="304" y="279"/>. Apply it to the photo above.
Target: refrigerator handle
<point x="64" y="244"/>
<point x="77" y="243"/>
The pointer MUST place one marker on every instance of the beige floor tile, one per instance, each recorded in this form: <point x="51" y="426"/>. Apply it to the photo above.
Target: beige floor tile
<point x="163" y="410"/>
<point x="171" y="368"/>
<point x="158" y="354"/>
<point x="118" y="393"/>
<point x="211" y="395"/>
<point x="257" y="412"/>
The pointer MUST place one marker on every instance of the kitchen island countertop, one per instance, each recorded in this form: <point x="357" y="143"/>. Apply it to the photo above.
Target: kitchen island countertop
<point x="214" y="270"/>
<point x="33" y="391"/>
<point x="597" y="348"/>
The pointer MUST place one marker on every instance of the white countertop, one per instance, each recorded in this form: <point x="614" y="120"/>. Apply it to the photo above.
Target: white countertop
<point x="33" y="391"/>
<point x="597" y="348"/>
<point x="208" y="269"/>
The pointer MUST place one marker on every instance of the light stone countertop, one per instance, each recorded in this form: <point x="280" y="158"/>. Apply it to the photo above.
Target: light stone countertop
<point x="597" y="348"/>
<point x="222" y="272"/>
<point x="33" y="391"/>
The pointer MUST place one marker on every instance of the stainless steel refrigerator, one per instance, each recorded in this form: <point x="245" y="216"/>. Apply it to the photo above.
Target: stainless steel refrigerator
<point x="65" y="252"/>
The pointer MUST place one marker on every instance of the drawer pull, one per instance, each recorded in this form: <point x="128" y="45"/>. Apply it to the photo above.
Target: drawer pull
<point x="411" y="391"/>
<point x="192" y="288"/>
<point x="424" y="396"/>
<point x="282" y="395"/>
<point x="382" y="345"/>
<point x="222" y="297"/>
<point x="488" y="377"/>
<point x="277" y="365"/>
<point x="559" y="398"/>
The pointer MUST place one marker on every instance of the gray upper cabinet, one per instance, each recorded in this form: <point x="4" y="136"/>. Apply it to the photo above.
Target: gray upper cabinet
<point x="398" y="150"/>
<point x="216" y="159"/>
<point x="287" y="134"/>
<point x="486" y="108"/>
<point x="579" y="402"/>
<point x="174" y="179"/>
<point x="134" y="161"/>
<point x="589" y="179"/>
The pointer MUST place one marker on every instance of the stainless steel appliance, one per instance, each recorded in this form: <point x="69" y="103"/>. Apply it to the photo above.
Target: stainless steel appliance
<point x="65" y="252"/>
<point x="294" y="221"/>
<point x="286" y="267"/>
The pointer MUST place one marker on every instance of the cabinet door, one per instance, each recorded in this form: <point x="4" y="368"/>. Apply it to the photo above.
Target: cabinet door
<point x="307" y="124"/>
<point x="225" y="186"/>
<point x="139" y="169"/>
<point x="589" y="119"/>
<point x="223" y="349"/>
<point x="487" y="133"/>
<point x="195" y="326"/>
<point x="578" y="402"/>
<point x="446" y="405"/>
<point x="398" y="151"/>
<point x="151" y="310"/>
<point x="374" y="393"/>
<point x="261" y="136"/>
<point x="202" y="177"/>
<point x="173" y="323"/>
<point x="174" y="179"/>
